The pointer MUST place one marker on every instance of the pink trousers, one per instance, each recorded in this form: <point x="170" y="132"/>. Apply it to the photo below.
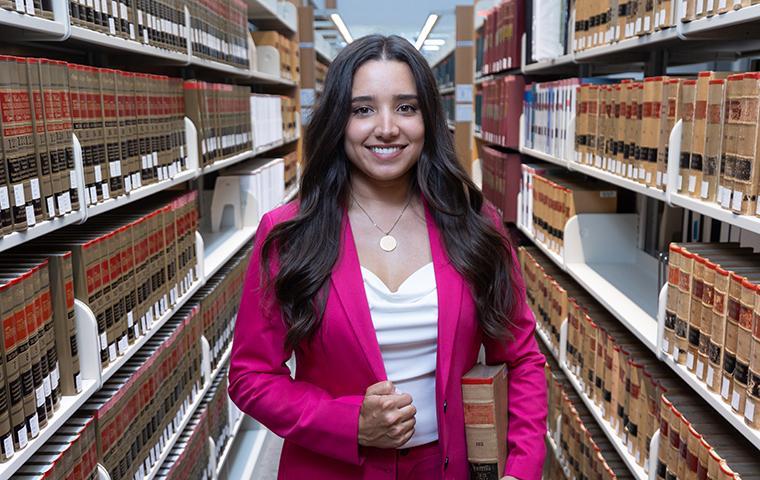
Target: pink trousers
<point x="419" y="463"/>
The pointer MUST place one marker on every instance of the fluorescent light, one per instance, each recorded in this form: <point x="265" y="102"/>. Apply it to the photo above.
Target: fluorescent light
<point x="431" y="48"/>
<point x="342" y="28"/>
<point x="429" y="23"/>
<point x="434" y="41"/>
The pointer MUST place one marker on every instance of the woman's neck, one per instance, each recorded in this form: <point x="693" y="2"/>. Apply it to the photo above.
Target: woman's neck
<point x="367" y="190"/>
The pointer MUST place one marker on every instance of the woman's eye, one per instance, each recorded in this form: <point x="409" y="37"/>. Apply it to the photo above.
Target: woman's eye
<point x="407" y="108"/>
<point x="362" y="110"/>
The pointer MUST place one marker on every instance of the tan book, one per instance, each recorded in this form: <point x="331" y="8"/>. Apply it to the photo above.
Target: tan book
<point x="731" y="119"/>
<point x="670" y="113"/>
<point x="699" y="138"/>
<point x="484" y="393"/>
<point x="687" y="101"/>
<point x="712" y="165"/>
<point x="746" y="171"/>
<point x="43" y="182"/>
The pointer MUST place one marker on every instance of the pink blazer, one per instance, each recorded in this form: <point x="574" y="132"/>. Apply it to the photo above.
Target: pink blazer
<point x="317" y="413"/>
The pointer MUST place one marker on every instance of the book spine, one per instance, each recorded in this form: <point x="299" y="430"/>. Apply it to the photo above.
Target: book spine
<point x="115" y="184"/>
<point x="732" y="115"/>
<point x="6" y="115"/>
<point x="713" y="141"/>
<point x="10" y="404"/>
<point x="12" y="134"/>
<point x="46" y="182"/>
<point x="29" y="357"/>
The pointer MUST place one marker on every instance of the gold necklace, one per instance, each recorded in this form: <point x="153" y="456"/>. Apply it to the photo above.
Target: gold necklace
<point x="387" y="242"/>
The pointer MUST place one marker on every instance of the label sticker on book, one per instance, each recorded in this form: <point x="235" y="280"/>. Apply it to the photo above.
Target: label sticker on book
<point x="160" y="174"/>
<point x="692" y="183"/>
<point x="679" y="185"/>
<point x="735" y="400"/>
<point x="106" y="192"/>
<point x="112" y="352"/>
<point x="78" y="382"/>
<point x="700" y="6"/>
<point x="98" y="174"/>
<point x="638" y="25"/>
<point x="710" y="376"/>
<point x="51" y="207"/>
<point x="705" y="189"/>
<point x="725" y="197"/>
<point x="690" y="360"/>
<point x="5" y="203"/>
<point x="111" y="26"/>
<point x="659" y="178"/>
<point x="736" y="202"/>
<point x="665" y="345"/>
<point x="20" y="6"/>
<point x="123" y="9"/>
<point x="724" y="388"/>
<point x="18" y="194"/>
<point x="675" y="351"/>
<point x="115" y="168"/>
<point x="34" y="183"/>
<point x="132" y="31"/>
<point x="103" y="341"/>
<point x="721" y="4"/>
<point x="710" y="5"/>
<point x="31" y="220"/>
<point x="8" y="446"/>
<point x="46" y="385"/>
<point x="94" y="194"/>
<point x="749" y="410"/>
<point x="128" y="183"/>
<point x="130" y="319"/>
<point x="34" y="425"/>
<point x="700" y="369"/>
<point x="39" y="393"/>
<point x="23" y="439"/>
<point x="123" y="344"/>
<point x="55" y="376"/>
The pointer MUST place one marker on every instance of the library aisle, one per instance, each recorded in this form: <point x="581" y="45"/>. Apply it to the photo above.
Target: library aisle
<point x="142" y="142"/>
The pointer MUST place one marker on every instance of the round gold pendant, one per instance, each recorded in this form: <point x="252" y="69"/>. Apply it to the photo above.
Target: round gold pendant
<point x="388" y="243"/>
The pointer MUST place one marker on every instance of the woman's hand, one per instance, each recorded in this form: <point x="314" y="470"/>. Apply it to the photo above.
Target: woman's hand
<point x="386" y="419"/>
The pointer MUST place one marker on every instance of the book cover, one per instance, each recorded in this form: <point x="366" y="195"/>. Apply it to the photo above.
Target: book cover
<point x="484" y="392"/>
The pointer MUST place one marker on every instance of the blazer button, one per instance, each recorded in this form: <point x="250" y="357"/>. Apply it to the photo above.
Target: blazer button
<point x="444" y="406"/>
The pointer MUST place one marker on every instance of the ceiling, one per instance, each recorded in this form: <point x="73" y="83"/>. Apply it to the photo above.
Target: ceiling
<point x="400" y="17"/>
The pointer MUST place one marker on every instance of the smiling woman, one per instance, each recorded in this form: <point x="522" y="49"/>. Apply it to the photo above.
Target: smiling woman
<point x="384" y="277"/>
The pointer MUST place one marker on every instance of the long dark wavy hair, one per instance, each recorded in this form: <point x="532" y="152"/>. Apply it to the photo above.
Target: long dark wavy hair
<point x="307" y="245"/>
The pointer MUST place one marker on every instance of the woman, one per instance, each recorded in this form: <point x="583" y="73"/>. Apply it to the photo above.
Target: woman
<point x="385" y="278"/>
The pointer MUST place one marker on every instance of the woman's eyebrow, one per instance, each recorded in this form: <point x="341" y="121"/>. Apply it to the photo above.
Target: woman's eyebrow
<point x="370" y="98"/>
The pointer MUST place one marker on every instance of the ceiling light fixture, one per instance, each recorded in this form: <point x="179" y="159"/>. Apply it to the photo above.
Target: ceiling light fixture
<point x="429" y="23"/>
<point x="342" y="28"/>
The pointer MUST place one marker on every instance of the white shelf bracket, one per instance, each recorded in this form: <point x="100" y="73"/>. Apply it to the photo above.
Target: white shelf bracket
<point x="212" y="460"/>
<point x="191" y="140"/>
<point x="205" y="360"/>
<point x="79" y="174"/>
<point x="563" y="343"/>
<point x="87" y="343"/>
<point x="102" y="473"/>
<point x="661" y="305"/>
<point x="570" y="143"/>
<point x="199" y="254"/>
<point x="674" y="159"/>
<point x="654" y="450"/>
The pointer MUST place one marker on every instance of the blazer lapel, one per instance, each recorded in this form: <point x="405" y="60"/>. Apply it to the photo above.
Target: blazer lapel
<point x="449" y="284"/>
<point x="348" y="284"/>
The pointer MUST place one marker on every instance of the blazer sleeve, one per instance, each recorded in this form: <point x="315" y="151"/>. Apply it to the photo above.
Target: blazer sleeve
<point x="526" y="389"/>
<point x="261" y="385"/>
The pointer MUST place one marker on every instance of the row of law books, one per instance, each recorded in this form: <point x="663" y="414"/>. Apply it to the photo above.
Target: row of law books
<point x="635" y="391"/>
<point x="499" y="41"/>
<point x="498" y="108"/>
<point x="583" y="448"/>
<point x="710" y="320"/>
<point x="288" y="50"/>
<point x="126" y="425"/>
<point x="555" y="196"/>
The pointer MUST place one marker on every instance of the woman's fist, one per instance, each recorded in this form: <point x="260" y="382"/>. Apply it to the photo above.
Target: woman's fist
<point x="386" y="419"/>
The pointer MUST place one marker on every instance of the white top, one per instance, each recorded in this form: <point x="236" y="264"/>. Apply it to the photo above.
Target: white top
<point x="406" y="325"/>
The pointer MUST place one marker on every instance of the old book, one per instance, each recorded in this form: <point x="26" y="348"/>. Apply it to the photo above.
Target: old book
<point x="731" y="128"/>
<point x="44" y="183"/>
<point x="746" y="173"/>
<point x="484" y="392"/>
<point x="670" y="113"/>
<point x="687" y="101"/>
<point x="6" y="217"/>
<point x="712" y="165"/>
<point x="114" y="187"/>
<point x="18" y="175"/>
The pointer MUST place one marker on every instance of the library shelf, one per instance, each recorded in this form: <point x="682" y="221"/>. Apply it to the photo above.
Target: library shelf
<point x="478" y="135"/>
<point x="544" y="156"/>
<point x="219" y="164"/>
<point x="33" y="27"/>
<point x="714" y="210"/>
<point x="15" y="239"/>
<point x="261" y="77"/>
<point x="713" y="399"/>
<point x="241" y="72"/>
<point x="219" y="247"/>
<point x="637" y="470"/>
<point x="139" y="193"/>
<point x="545" y="66"/>
<point x="222" y="460"/>
<point x="708" y="25"/>
<point x="250" y="443"/>
<point x="610" y="268"/>
<point x="92" y="37"/>
<point x="114" y="366"/>
<point x="642" y="42"/>
<point x="68" y="407"/>
<point x="189" y="412"/>
<point x="557" y="453"/>
<point x="265" y="15"/>
<point x="493" y="76"/>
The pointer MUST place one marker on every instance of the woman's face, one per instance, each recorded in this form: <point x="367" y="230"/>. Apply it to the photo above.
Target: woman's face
<point x="385" y="131"/>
